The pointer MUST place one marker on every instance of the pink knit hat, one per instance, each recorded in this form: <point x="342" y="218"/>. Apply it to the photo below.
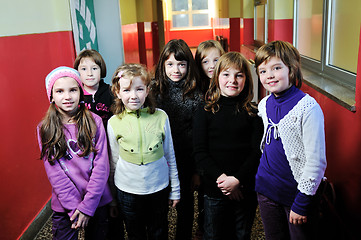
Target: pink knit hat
<point x="60" y="72"/>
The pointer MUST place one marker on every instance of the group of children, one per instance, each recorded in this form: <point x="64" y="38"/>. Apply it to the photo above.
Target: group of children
<point x="125" y="152"/>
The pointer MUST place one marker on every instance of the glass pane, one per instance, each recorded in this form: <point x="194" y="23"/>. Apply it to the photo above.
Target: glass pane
<point x="200" y="20"/>
<point x="260" y="11"/>
<point x="200" y="5"/>
<point x="309" y="38"/>
<point x="179" y="5"/>
<point x="344" y="38"/>
<point x="180" y="20"/>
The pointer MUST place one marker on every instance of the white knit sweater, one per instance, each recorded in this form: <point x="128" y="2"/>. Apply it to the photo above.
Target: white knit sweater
<point x="303" y="138"/>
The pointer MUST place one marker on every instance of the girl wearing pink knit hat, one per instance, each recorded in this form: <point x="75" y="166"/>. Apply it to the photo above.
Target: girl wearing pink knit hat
<point x="73" y="146"/>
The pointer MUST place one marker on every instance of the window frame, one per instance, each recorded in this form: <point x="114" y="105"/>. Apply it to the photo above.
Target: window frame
<point x="190" y="12"/>
<point x="257" y="3"/>
<point x="323" y="67"/>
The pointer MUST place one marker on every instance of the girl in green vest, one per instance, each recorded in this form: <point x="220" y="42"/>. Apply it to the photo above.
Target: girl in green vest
<point x="142" y="158"/>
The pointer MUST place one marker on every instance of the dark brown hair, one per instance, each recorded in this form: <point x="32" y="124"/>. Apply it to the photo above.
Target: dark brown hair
<point x="181" y="52"/>
<point x="130" y="71"/>
<point x="288" y="54"/>
<point x="98" y="59"/>
<point x="237" y="61"/>
<point x="52" y="135"/>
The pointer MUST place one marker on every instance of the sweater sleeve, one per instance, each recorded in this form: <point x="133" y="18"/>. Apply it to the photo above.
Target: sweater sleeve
<point x="114" y="157"/>
<point x="65" y="190"/>
<point x="100" y="172"/>
<point x="315" y="151"/>
<point x="170" y="157"/>
<point x="205" y="164"/>
<point x="247" y="172"/>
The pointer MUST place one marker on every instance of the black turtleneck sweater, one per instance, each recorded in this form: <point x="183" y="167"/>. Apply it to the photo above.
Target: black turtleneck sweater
<point x="180" y="112"/>
<point x="227" y="142"/>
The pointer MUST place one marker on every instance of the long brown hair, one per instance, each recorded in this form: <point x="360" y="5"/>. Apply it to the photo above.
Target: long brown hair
<point x="130" y="71"/>
<point x="52" y="135"/>
<point x="181" y="52"/>
<point x="288" y="54"/>
<point x="237" y="61"/>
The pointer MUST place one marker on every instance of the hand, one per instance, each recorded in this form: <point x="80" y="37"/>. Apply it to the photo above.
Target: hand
<point x="236" y="195"/>
<point x="113" y="211"/>
<point x="297" y="219"/>
<point x="173" y="203"/>
<point x="79" y="219"/>
<point x="196" y="182"/>
<point x="228" y="184"/>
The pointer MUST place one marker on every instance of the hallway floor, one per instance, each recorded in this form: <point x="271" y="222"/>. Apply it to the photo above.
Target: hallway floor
<point x="257" y="230"/>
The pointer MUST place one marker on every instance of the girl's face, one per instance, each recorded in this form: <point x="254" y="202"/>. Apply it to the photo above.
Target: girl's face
<point x="174" y="69"/>
<point x="209" y="61"/>
<point x="274" y="75"/>
<point x="66" y="95"/>
<point x="90" y="73"/>
<point x="231" y="82"/>
<point x="132" y="94"/>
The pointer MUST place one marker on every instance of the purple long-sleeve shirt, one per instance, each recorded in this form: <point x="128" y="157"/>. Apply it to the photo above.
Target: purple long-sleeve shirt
<point x="274" y="178"/>
<point x="80" y="182"/>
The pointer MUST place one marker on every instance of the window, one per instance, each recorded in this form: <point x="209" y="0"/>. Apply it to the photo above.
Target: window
<point x="260" y="22"/>
<point x="327" y="36"/>
<point x="190" y="13"/>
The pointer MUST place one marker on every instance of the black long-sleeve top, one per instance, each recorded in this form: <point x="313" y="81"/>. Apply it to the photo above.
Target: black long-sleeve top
<point x="227" y="142"/>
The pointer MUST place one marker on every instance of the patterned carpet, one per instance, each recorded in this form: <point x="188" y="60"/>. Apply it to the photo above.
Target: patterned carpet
<point x="257" y="230"/>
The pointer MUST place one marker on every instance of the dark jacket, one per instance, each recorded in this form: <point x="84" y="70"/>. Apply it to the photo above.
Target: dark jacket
<point x="101" y="101"/>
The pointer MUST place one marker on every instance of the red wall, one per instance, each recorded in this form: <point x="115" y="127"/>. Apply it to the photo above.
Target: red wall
<point x="343" y="146"/>
<point x="24" y="63"/>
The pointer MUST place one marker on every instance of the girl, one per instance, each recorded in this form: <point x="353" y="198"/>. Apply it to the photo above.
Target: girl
<point x="207" y="55"/>
<point x="73" y="146"/>
<point x="97" y="94"/>
<point x="142" y="156"/>
<point x="176" y="90"/>
<point x="293" y="160"/>
<point x="227" y="133"/>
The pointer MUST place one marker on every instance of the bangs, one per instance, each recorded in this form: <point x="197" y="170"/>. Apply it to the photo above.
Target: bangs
<point x="180" y="56"/>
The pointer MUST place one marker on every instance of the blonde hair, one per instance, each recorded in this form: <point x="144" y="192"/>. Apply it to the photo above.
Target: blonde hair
<point x="288" y="54"/>
<point x="237" y="61"/>
<point x="130" y="71"/>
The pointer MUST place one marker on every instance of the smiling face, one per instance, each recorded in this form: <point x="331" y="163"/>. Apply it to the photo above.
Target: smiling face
<point x="66" y="95"/>
<point x="132" y="93"/>
<point x="174" y="69"/>
<point x="209" y="61"/>
<point x="274" y="75"/>
<point x="89" y="74"/>
<point x="231" y="82"/>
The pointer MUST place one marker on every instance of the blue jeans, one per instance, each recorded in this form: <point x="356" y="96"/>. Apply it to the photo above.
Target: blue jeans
<point x="145" y="216"/>
<point x="275" y="218"/>
<point x="228" y="219"/>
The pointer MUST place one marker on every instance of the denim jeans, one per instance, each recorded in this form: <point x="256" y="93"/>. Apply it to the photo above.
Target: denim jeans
<point x="226" y="219"/>
<point x="275" y="218"/>
<point x="145" y="216"/>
